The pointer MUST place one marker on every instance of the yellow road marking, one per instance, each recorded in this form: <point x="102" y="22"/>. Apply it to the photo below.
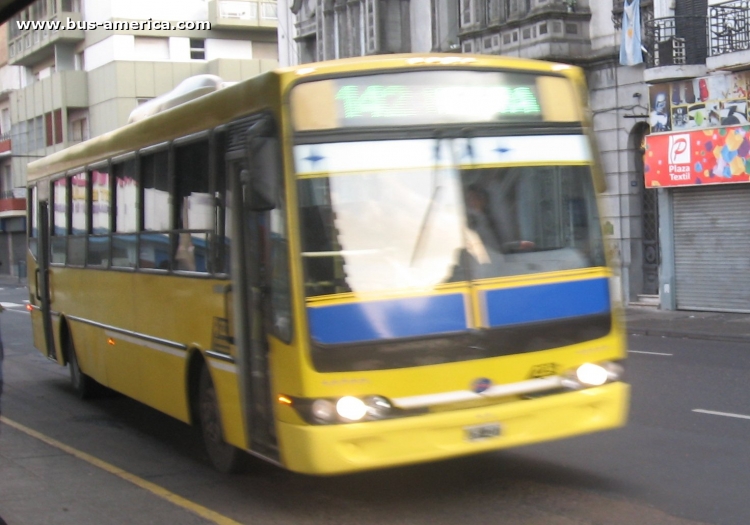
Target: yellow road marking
<point x="161" y="492"/>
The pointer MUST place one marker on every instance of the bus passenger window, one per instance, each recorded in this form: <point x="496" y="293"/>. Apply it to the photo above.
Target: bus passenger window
<point x="78" y="200"/>
<point x="98" y="248"/>
<point x="221" y="241"/>
<point x="33" y="221"/>
<point x="126" y="192"/>
<point x="59" y="220"/>
<point x="195" y="207"/>
<point x="155" y="251"/>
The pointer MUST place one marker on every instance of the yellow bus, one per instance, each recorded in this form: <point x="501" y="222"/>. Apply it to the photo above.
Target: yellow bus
<point x="340" y="266"/>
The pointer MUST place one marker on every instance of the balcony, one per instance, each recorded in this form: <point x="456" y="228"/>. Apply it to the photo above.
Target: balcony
<point x="10" y="206"/>
<point x="62" y="89"/>
<point x="34" y="45"/>
<point x="548" y="30"/>
<point x="729" y="35"/>
<point x="675" y="48"/>
<point x="5" y="145"/>
<point x="242" y="14"/>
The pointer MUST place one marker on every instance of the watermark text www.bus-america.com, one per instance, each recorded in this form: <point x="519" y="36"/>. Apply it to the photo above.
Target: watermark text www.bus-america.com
<point x="112" y="25"/>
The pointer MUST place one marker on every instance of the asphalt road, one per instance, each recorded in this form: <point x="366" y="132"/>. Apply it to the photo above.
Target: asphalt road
<point x="670" y="465"/>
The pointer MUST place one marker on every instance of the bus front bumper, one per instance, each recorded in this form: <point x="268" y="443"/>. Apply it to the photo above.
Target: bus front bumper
<point x="337" y="449"/>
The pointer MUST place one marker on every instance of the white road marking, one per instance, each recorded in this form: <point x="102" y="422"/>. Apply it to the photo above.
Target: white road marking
<point x="725" y="414"/>
<point x="649" y="353"/>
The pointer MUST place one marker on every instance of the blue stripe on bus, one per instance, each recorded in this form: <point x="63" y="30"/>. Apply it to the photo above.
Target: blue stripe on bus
<point x="393" y="318"/>
<point x="546" y="302"/>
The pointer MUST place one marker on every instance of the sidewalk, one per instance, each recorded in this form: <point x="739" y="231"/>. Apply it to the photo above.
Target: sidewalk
<point x="714" y="326"/>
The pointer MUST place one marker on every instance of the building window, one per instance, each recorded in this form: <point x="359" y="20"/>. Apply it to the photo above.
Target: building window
<point x="197" y="49"/>
<point x="355" y="23"/>
<point x="53" y="128"/>
<point x="237" y="10"/>
<point x="371" y="26"/>
<point x="70" y="6"/>
<point x="467" y="12"/>
<point x="151" y="48"/>
<point x="307" y="48"/>
<point x="493" y="10"/>
<point x="7" y="183"/>
<point x="79" y="130"/>
<point x="269" y="11"/>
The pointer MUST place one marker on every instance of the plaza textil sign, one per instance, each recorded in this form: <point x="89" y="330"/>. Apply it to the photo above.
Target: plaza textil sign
<point x="710" y="156"/>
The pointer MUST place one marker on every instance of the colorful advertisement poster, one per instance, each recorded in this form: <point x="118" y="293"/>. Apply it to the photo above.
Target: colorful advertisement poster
<point x="707" y="102"/>
<point x="711" y="156"/>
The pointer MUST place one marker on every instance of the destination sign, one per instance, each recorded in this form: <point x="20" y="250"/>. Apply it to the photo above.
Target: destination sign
<point x="420" y="98"/>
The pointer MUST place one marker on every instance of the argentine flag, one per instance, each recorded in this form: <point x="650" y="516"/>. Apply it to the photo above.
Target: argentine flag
<point x="630" y="45"/>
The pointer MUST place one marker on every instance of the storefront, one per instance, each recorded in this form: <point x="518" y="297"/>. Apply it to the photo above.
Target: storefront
<point x="702" y="176"/>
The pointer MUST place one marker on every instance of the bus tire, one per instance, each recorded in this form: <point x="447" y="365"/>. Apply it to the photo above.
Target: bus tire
<point x="83" y="385"/>
<point x="224" y="457"/>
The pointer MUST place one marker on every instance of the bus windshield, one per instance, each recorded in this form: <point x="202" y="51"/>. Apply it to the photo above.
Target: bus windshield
<point x="417" y="222"/>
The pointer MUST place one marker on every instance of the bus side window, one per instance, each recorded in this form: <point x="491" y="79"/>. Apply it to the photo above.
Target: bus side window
<point x="78" y="229"/>
<point x="125" y="214"/>
<point x="99" y="225"/>
<point x="278" y="271"/>
<point x="33" y="204"/>
<point x="221" y="244"/>
<point x="267" y="158"/>
<point x="59" y="220"/>
<point x="194" y="207"/>
<point x="155" y="251"/>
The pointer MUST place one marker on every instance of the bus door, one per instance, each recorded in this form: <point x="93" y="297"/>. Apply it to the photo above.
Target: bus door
<point x="248" y="229"/>
<point x="42" y="280"/>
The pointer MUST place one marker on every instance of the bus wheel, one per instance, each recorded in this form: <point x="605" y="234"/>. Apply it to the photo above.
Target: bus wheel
<point x="83" y="385"/>
<point x="224" y="457"/>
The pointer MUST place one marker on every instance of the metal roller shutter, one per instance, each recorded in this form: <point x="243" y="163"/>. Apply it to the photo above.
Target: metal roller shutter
<point x="712" y="248"/>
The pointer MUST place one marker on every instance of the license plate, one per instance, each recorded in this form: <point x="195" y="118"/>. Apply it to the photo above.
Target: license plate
<point x="482" y="432"/>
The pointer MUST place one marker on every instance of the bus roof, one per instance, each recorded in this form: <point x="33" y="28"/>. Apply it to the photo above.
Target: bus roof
<point x="226" y="104"/>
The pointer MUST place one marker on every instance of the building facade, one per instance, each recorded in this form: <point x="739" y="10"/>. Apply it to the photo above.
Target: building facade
<point x="83" y="66"/>
<point x="697" y="155"/>
<point x="12" y="197"/>
<point x="582" y="32"/>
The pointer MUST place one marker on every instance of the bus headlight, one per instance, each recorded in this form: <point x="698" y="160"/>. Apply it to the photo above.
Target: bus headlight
<point x="378" y="407"/>
<point x="323" y="410"/>
<point x="351" y="408"/>
<point x="591" y="374"/>
<point x="347" y="409"/>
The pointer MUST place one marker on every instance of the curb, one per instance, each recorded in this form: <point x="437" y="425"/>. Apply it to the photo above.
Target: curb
<point x="708" y="336"/>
